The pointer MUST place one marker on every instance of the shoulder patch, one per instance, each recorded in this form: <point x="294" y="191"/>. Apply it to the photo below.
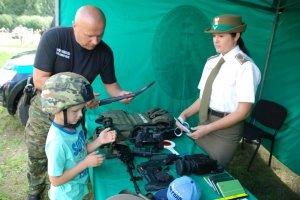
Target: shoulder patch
<point x="241" y="58"/>
<point x="213" y="57"/>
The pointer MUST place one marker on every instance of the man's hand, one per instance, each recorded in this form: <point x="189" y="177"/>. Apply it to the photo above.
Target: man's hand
<point x="128" y="100"/>
<point x="114" y="90"/>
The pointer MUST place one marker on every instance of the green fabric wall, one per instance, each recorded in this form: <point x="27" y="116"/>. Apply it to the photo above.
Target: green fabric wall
<point x="282" y="85"/>
<point x="165" y="41"/>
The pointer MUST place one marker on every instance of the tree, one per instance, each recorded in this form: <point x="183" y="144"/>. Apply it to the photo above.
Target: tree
<point x="47" y="7"/>
<point x="36" y="14"/>
<point x="27" y="7"/>
<point x="2" y="7"/>
<point x="6" y="21"/>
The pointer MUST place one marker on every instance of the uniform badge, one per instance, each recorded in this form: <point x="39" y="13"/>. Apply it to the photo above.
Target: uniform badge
<point x="216" y="20"/>
<point x="216" y="23"/>
<point x="242" y="59"/>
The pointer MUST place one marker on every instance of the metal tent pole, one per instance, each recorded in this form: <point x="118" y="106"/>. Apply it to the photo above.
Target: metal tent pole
<point x="278" y="12"/>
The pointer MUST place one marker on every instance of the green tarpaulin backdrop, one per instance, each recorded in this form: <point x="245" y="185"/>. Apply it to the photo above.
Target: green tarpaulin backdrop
<point x="164" y="41"/>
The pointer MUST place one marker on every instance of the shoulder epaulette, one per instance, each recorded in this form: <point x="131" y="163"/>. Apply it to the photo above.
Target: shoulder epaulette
<point x="213" y="56"/>
<point x="241" y="58"/>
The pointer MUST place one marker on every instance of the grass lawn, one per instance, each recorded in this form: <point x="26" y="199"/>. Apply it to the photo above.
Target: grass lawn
<point x="267" y="183"/>
<point x="13" y="158"/>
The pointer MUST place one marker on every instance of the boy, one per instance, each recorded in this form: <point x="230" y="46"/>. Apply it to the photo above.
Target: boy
<point x="64" y="96"/>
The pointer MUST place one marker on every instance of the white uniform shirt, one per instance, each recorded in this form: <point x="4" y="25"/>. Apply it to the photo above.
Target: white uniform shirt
<point x="236" y="81"/>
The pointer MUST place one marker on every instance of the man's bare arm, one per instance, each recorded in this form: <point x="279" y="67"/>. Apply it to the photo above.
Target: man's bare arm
<point x="113" y="89"/>
<point x="39" y="78"/>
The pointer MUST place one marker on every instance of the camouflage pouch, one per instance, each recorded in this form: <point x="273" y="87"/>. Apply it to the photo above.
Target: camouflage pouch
<point x="125" y="123"/>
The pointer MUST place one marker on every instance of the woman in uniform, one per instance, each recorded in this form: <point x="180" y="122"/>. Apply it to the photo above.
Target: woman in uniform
<point x="227" y="91"/>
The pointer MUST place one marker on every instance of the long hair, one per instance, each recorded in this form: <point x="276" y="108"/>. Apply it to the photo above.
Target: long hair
<point x="241" y="44"/>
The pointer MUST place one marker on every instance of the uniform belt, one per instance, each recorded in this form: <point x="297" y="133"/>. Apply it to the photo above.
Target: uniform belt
<point x="217" y="113"/>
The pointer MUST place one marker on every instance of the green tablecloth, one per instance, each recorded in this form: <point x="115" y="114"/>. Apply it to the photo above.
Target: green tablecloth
<point x="112" y="177"/>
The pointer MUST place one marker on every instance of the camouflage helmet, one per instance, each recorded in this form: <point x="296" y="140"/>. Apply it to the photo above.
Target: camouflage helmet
<point x="64" y="90"/>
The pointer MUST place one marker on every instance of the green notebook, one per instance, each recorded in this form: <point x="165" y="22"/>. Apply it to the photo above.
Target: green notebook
<point x="230" y="188"/>
<point x="213" y="179"/>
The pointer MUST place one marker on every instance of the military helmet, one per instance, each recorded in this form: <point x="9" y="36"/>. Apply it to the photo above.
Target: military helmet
<point x="227" y="24"/>
<point x="64" y="90"/>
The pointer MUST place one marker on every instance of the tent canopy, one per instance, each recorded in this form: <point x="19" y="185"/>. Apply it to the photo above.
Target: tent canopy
<point x="165" y="41"/>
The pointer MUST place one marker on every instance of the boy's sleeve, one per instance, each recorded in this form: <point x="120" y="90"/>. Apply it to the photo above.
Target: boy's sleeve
<point x="56" y="158"/>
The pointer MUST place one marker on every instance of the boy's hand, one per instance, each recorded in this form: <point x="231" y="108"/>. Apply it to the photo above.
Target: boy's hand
<point x="107" y="136"/>
<point x="94" y="159"/>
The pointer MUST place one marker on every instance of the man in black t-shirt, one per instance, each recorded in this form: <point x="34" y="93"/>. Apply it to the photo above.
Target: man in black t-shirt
<point x="76" y="49"/>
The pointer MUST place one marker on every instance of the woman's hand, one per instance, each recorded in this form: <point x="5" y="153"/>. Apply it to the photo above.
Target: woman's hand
<point x="199" y="132"/>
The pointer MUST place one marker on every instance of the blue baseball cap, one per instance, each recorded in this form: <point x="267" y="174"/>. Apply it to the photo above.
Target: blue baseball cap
<point x="182" y="188"/>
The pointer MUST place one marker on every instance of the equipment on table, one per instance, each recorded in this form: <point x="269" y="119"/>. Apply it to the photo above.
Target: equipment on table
<point x="197" y="164"/>
<point x="125" y="155"/>
<point x="128" y="124"/>
<point x="168" y="144"/>
<point x="182" y="125"/>
<point x="155" y="174"/>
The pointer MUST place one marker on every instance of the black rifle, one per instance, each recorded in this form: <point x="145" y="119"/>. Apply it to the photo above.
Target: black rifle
<point x="125" y="155"/>
<point x="154" y="173"/>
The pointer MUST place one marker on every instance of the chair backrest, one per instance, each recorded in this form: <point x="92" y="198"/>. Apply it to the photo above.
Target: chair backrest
<point x="269" y="113"/>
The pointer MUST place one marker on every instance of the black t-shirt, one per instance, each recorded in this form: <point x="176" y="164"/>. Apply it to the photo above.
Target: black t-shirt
<point x="58" y="51"/>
